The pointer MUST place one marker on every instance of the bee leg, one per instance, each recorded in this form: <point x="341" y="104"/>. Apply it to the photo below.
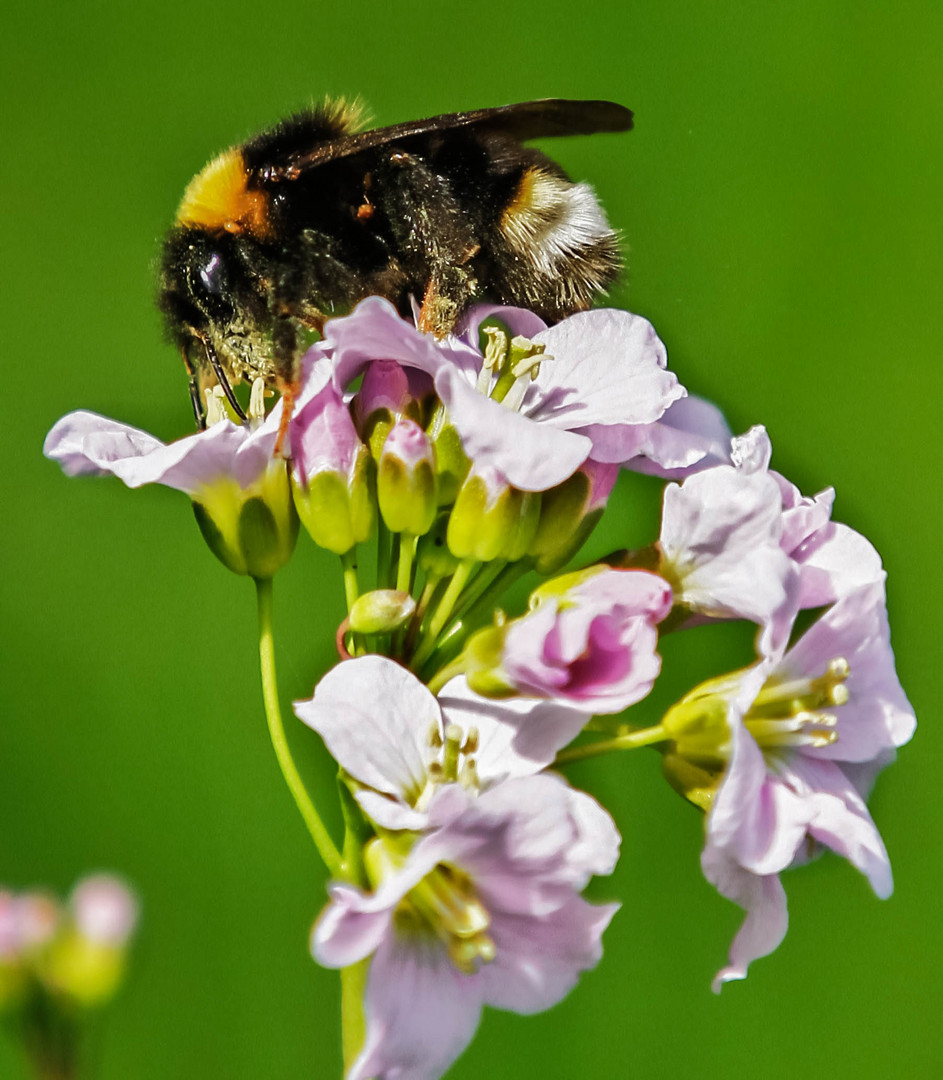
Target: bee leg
<point x="287" y="373"/>
<point x="435" y="238"/>
<point x="223" y="380"/>
<point x="196" y="400"/>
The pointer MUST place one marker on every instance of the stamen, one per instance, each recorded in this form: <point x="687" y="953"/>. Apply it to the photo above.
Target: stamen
<point x="446" y="902"/>
<point x="435" y="736"/>
<point x="468" y="775"/>
<point x="257" y="402"/>
<point x="496" y="351"/>
<point x="471" y="741"/>
<point x="805" y="728"/>
<point x="215" y="405"/>
<point x="795" y="695"/>
<point x="452" y="750"/>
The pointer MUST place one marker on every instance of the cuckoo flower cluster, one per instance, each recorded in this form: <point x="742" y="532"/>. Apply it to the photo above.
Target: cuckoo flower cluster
<point x="445" y="472"/>
<point x="61" y="961"/>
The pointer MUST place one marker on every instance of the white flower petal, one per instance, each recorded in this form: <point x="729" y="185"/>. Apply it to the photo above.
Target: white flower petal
<point x="375" y="718"/>
<point x="517" y="736"/>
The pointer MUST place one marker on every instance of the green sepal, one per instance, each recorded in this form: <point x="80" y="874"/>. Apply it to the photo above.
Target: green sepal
<point x="357" y="831"/>
<point x="216" y="541"/>
<point x="339" y="512"/>
<point x="696" y="784"/>
<point x="259" y="538"/>
<point x="452" y="463"/>
<point x="483" y="528"/>
<point x="407" y="497"/>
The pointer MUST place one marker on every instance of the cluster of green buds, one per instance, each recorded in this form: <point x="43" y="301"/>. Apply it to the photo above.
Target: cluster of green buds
<point x="387" y="467"/>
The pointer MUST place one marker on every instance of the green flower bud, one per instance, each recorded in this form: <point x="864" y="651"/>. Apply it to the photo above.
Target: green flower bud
<point x="482" y="662"/>
<point x="569" y="513"/>
<point x="250" y="530"/>
<point x="381" y="611"/>
<point x="406" y="480"/>
<point x="339" y="510"/>
<point x="491" y="520"/>
<point x="434" y="558"/>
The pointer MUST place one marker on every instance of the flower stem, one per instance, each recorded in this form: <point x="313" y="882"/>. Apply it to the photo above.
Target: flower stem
<point x="351" y="586"/>
<point x="319" y="834"/>
<point x="630" y="741"/>
<point x="443" y="675"/>
<point x="407" y="551"/>
<point x="383" y="555"/>
<point x="442" y="612"/>
<point x="353" y="1023"/>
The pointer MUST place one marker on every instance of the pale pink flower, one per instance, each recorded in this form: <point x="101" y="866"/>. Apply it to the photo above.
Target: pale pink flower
<point x="601" y="382"/>
<point x="392" y="736"/>
<point x="805" y="737"/>
<point x="483" y="909"/>
<point x="589" y="640"/>
<point x="104" y="909"/>
<point x="721" y="549"/>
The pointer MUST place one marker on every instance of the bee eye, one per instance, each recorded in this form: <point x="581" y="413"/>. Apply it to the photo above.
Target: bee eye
<point x="213" y="276"/>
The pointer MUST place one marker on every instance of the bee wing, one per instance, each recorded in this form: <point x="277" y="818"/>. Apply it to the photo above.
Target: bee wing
<point x="527" y="120"/>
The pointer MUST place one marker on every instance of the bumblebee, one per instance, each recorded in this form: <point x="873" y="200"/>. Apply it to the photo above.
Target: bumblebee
<point x="299" y="223"/>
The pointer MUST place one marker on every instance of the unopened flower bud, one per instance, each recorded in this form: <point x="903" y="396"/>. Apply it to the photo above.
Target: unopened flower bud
<point x="452" y="463"/>
<point x="482" y="655"/>
<point x="333" y="474"/>
<point x="86" y="960"/>
<point x="569" y="513"/>
<point x="406" y="480"/>
<point x="251" y="530"/>
<point x="492" y="520"/>
<point x="381" y="611"/>
<point x="386" y="394"/>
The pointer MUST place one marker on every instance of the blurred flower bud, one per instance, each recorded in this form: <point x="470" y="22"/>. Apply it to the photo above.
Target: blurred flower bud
<point x="492" y="520"/>
<point x="104" y="910"/>
<point x="406" y="481"/>
<point x="568" y="514"/>
<point x="86" y="961"/>
<point x="333" y="474"/>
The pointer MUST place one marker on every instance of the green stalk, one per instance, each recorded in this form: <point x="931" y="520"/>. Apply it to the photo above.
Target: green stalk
<point x="351" y="585"/>
<point x="442" y="612"/>
<point x="631" y="741"/>
<point x="353" y="1022"/>
<point x="319" y="834"/>
<point x="407" y="552"/>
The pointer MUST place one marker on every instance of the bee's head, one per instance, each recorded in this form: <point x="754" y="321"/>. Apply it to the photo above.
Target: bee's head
<point x="196" y="284"/>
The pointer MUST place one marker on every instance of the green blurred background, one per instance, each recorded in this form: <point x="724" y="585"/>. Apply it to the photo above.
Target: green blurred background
<point x="781" y="198"/>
